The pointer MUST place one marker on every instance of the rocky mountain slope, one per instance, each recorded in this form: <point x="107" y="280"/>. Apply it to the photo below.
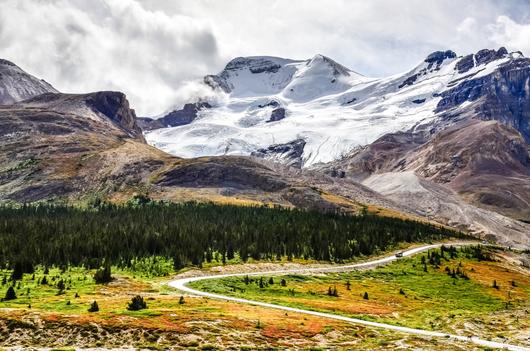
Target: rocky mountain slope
<point x="82" y="147"/>
<point x="477" y="145"/>
<point x="17" y="85"/>
<point x="51" y="151"/>
<point x="79" y="147"/>
<point x="431" y="119"/>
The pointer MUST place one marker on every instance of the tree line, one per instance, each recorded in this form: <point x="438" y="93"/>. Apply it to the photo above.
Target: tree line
<point x="192" y="233"/>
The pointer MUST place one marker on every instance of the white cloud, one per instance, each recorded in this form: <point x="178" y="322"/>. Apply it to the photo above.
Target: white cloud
<point x="376" y="37"/>
<point x="511" y="34"/>
<point x="151" y="49"/>
<point x="92" y="45"/>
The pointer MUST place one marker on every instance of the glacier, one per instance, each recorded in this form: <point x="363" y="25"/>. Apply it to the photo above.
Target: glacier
<point x="332" y="108"/>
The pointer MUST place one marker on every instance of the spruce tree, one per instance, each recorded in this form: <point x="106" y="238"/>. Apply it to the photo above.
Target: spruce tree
<point x="61" y="286"/>
<point x="103" y="275"/>
<point x="10" y="294"/>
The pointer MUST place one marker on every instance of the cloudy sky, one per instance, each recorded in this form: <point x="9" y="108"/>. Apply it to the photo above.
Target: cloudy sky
<point x="153" y="50"/>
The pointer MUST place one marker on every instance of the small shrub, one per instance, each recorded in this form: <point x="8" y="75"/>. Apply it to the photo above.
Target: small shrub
<point x="137" y="303"/>
<point x="93" y="307"/>
<point x="495" y="285"/>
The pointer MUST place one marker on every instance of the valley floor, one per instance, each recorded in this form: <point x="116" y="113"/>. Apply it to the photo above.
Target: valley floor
<point x="402" y="293"/>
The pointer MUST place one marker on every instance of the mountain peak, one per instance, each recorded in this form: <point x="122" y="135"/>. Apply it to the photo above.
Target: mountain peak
<point x="338" y="69"/>
<point x="17" y="85"/>
<point x="5" y="62"/>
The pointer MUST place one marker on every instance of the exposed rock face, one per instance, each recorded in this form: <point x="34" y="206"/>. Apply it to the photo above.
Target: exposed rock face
<point x="255" y="65"/>
<point x="272" y="103"/>
<point x="434" y="61"/>
<point x="176" y="118"/>
<point x="115" y="106"/>
<point x="223" y="172"/>
<point x="437" y="57"/>
<point x="465" y="64"/>
<point x="485" y="56"/>
<point x="109" y="106"/>
<point x="289" y="153"/>
<point x="17" y="85"/>
<point x="385" y="154"/>
<point x="482" y="57"/>
<point x="437" y="201"/>
<point x="277" y="114"/>
<point x="484" y="161"/>
<point x="504" y="94"/>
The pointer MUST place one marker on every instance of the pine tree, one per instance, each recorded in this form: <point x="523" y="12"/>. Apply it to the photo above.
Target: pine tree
<point x="61" y="286"/>
<point x="365" y="296"/>
<point x="283" y="282"/>
<point x="194" y="233"/>
<point x="181" y="300"/>
<point x="10" y="294"/>
<point x="103" y="275"/>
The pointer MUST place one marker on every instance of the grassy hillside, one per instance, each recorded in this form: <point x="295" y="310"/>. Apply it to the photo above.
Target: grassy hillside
<point x="469" y="291"/>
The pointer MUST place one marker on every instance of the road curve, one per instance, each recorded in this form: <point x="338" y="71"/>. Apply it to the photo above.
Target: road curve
<point x="181" y="284"/>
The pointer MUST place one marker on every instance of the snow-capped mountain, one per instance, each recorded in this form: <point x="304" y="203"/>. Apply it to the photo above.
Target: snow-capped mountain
<point x="68" y="146"/>
<point x="17" y="85"/>
<point x="272" y="103"/>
